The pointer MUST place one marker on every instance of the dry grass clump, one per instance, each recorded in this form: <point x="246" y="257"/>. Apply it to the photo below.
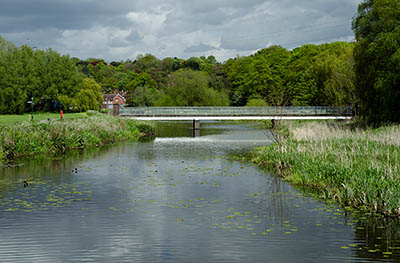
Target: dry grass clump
<point x="320" y="131"/>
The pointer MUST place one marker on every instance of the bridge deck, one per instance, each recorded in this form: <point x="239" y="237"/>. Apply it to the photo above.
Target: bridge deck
<point x="235" y="113"/>
<point x="225" y="118"/>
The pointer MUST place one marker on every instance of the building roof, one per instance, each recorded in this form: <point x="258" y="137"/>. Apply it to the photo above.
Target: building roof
<point x="111" y="96"/>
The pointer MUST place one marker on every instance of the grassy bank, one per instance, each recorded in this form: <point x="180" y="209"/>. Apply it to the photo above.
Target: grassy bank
<point x="27" y="139"/>
<point x="356" y="167"/>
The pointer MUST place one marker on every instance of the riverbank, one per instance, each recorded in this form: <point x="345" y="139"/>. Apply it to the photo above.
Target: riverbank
<point x="28" y="139"/>
<point x="358" y="168"/>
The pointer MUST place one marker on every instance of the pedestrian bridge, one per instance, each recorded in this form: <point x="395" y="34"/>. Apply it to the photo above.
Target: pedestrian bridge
<point x="236" y="113"/>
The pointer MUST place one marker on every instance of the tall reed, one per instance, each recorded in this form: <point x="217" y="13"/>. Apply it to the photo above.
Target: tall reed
<point x="357" y="167"/>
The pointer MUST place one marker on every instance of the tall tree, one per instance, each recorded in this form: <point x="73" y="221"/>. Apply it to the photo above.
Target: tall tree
<point x="191" y="88"/>
<point x="258" y="76"/>
<point x="12" y="91"/>
<point x="377" y="59"/>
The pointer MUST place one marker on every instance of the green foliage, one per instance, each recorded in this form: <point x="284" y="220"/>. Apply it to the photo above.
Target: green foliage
<point x="194" y="63"/>
<point x="146" y="62"/>
<point x="88" y="98"/>
<point x="321" y="75"/>
<point x="27" y="73"/>
<point x="191" y="88"/>
<point x="147" y="87"/>
<point x="308" y="75"/>
<point x="90" y="93"/>
<point x="335" y="70"/>
<point x="377" y="57"/>
<point x="142" y="80"/>
<point x="144" y="97"/>
<point x="257" y="103"/>
<point x="259" y="75"/>
<point x="12" y="90"/>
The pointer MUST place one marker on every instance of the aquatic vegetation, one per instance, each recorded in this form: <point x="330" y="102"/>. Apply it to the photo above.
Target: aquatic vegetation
<point x="49" y="196"/>
<point x="34" y="138"/>
<point x="356" y="168"/>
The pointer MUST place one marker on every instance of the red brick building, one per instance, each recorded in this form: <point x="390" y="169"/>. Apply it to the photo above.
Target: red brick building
<point x="110" y="99"/>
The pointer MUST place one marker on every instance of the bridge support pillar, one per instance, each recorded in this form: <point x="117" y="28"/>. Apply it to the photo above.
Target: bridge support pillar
<point x="196" y="124"/>
<point x="196" y="128"/>
<point x="196" y="133"/>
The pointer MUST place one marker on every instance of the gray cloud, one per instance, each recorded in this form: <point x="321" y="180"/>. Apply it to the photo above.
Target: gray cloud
<point x="133" y="37"/>
<point x="198" y="48"/>
<point x="121" y="29"/>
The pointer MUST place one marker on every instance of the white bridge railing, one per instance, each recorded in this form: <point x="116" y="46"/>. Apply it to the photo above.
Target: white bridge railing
<point x="235" y="111"/>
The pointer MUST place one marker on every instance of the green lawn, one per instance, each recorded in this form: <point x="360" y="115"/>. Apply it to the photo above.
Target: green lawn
<point x="12" y="119"/>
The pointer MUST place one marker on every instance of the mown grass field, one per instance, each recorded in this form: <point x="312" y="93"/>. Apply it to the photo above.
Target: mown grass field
<point x="13" y="119"/>
<point x="359" y="168"/>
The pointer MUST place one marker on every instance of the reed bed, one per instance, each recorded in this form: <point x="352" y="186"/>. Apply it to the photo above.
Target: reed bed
<point x="356" y="167"/>
<point x="59" y="136"/>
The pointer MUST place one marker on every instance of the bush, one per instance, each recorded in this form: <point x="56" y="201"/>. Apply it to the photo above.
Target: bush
<point x="257" y="103"/>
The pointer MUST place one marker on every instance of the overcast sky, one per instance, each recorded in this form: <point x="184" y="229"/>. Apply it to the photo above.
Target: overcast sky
<point x="122" y="29"/>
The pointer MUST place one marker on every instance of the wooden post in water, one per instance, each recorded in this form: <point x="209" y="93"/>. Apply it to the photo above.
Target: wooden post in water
<point x="196" y="128"/>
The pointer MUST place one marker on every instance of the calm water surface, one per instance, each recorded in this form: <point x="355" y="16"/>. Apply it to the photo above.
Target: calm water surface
<point x="177" y="199"/>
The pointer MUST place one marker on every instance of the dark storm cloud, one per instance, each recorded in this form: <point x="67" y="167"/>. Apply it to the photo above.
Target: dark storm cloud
<point x="25" y="15"/>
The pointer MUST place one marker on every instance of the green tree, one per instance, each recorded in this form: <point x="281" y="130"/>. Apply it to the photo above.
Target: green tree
<point x="260" y="75"/>
<point x="12" y="92"/>
<point x="144" y="63"/>
<point x="140" y="80"/>
<point x="321" y="75"/>
<point x="191" y="88"/>
<point x="334" y="71"/>
<point x="302" y="86"/>
<point x="60" y="77"/>
<point x="92" y="89"/>
<point x="236" y="71"/>
<point x="87" y="98"/>
<point x="377" y="60"/>
<point x="145" y="97"/>
<point x="257" y="103"/>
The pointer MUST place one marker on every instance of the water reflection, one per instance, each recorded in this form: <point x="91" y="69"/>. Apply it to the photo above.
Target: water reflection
<point x="175" y="199"/>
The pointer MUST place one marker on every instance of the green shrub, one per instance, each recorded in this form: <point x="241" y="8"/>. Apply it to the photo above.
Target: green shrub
<point x="257" y="103"/>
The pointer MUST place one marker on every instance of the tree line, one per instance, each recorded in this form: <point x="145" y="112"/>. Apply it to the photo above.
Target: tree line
<point x="308" y="75"/>
<point x="364" y="74"/>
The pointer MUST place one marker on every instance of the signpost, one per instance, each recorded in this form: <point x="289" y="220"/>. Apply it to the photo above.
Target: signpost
<point x="32" y="103"/>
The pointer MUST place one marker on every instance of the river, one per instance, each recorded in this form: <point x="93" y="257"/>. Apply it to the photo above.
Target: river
<point x="178" y="199"/>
